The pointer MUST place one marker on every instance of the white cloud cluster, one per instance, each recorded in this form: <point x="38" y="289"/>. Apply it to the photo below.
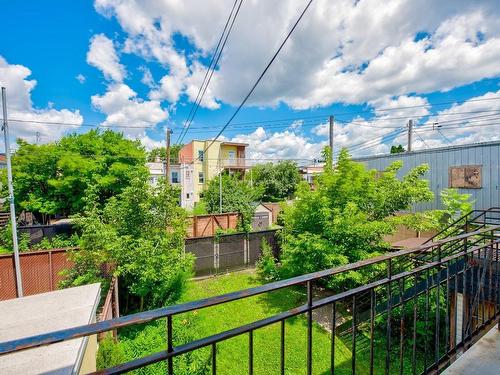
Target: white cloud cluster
<point x="475" y="120"/>
<point x="121" y="105"/>
<point x="267" y="146"/>
<point x="20" y="107"/>
<point x="123" y="108"/>
<point x="343" y="51"/>
<point x="103" y="56"/>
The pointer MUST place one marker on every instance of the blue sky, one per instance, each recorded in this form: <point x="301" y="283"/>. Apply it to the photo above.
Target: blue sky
<point x="141" y="63"/>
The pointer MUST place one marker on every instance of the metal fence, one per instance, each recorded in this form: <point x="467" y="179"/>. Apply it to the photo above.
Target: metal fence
<point x="38" y="232"/>
<point x="406" y="311"/>
<point x="229" y="251"/>
<point x="40" y="271"/>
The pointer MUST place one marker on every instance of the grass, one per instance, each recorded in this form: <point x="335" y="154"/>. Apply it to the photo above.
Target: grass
<point x="232" y="354"/>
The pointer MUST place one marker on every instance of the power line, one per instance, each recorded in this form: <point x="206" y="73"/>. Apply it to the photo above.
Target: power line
<point x="266" y="121"/>
<point x="211" y="68"/>
<point x="260" y="77"/>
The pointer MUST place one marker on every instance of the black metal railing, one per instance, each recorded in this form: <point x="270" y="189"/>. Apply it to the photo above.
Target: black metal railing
<point x="410" y="313"/>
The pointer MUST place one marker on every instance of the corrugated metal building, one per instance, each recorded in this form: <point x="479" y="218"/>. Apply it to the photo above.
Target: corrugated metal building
<point x="473" y="169"/>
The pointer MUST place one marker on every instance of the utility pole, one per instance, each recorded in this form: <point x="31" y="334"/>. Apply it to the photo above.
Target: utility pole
<point x="410" y="135"/>
<point x="167" y="155"/>
<point x="331" y="120"/>
<point x="17" y="263"/>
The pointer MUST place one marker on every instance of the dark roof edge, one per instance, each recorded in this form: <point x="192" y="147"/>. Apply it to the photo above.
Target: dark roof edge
<point x="429" y="150"/>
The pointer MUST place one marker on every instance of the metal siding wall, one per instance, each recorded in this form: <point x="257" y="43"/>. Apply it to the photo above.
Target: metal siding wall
<point x="439" y="162"/>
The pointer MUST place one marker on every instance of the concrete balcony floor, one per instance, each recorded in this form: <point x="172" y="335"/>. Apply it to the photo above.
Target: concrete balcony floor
<point x="483" y="358"/>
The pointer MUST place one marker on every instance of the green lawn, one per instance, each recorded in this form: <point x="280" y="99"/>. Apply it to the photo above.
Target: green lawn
<point x="232" y="354"/>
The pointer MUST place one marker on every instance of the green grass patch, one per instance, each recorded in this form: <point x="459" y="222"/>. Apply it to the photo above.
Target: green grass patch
<point x="232" y="354"/>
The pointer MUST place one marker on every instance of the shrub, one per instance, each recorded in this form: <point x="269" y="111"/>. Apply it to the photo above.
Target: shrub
<point x="151" y="339"/>
<point x="267" y="267"/>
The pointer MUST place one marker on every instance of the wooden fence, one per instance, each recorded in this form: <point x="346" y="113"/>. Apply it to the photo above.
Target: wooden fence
<point x="207" y="225"/>
<point x="40" y="271"/>
<point x="111" y="307"/>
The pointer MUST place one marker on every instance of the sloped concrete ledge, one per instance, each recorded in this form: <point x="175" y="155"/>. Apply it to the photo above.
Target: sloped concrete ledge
<point x="483" y="358"/>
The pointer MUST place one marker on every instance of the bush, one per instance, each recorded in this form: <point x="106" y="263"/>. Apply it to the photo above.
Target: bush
<point x="152" y="339"/>
<point x="267" y="267"/>
<point x="139" y="236"/>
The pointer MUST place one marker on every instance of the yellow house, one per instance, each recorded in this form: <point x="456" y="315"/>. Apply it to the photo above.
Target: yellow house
<point x="201" y="163"/>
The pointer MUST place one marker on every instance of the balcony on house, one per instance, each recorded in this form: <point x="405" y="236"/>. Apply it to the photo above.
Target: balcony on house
<point x="232" y="155"/>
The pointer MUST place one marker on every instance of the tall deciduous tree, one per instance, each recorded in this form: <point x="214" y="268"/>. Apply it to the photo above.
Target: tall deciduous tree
<point x="54" y="178"/>
<point x="140" y="234"/>
<point x="161" y="153"/>
<point x="278" y="181"/>
<point x="237" y="196"/>
<point x="345" y="219"/>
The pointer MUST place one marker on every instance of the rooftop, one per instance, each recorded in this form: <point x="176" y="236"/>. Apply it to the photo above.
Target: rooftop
<point x="27" y="316"/>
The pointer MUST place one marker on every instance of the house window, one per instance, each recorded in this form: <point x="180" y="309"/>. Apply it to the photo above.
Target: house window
<point x="175" y="177"/>
<point x="200" y="155"/>
<point x="232" y="156"/>
<point x="187" y="195"/>
<point x="201" y="177"/>
<point x="188" y="175"/>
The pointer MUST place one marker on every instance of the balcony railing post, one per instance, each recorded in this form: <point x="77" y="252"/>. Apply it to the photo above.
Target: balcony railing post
<point x="250" y="353"/>
<point x="214" y="358"/>
<point x="282" y="348"/>
<point x="389" y="298"/>
<point x="334" y="333"/>
<point x="170" y="347"/>
<point x="353" y="350"/>
<point x="372" y="327"/>
<point x="309" y="327"/>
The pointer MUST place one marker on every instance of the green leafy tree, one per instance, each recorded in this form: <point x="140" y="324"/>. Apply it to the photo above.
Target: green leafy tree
<point x="139" y="236"/>
<point x="237" y="196"/>
<point x="346" y="217"/>
<point x="161" y="153"/>
<point x="455" y="204"/>
<point x="397" y="149"/>
<point x="278" y="181"/>
<point x="54" y="178"/>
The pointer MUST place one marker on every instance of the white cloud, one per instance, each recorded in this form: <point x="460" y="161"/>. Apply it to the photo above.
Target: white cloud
<point x="456" y="126"/>
<point x="123" y="108"/>
<point x="343" y="51"/>
<point x="266" y="146"/>
<point x="15" y="78"/>
<point x="80" y="78"/>
<point x="147" y="77"/>
<point x="103" y="56"/>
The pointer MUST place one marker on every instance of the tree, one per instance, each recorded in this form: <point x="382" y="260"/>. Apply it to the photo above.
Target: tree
<point x="237" y="196"/>
<point x="140" y="235"/>
<point x="346" y="218"/>
<point x="278" y="181"/>
<point x="397" y="149"/>
<point x="54" y="178"/>
<point x="161" y="153"/>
